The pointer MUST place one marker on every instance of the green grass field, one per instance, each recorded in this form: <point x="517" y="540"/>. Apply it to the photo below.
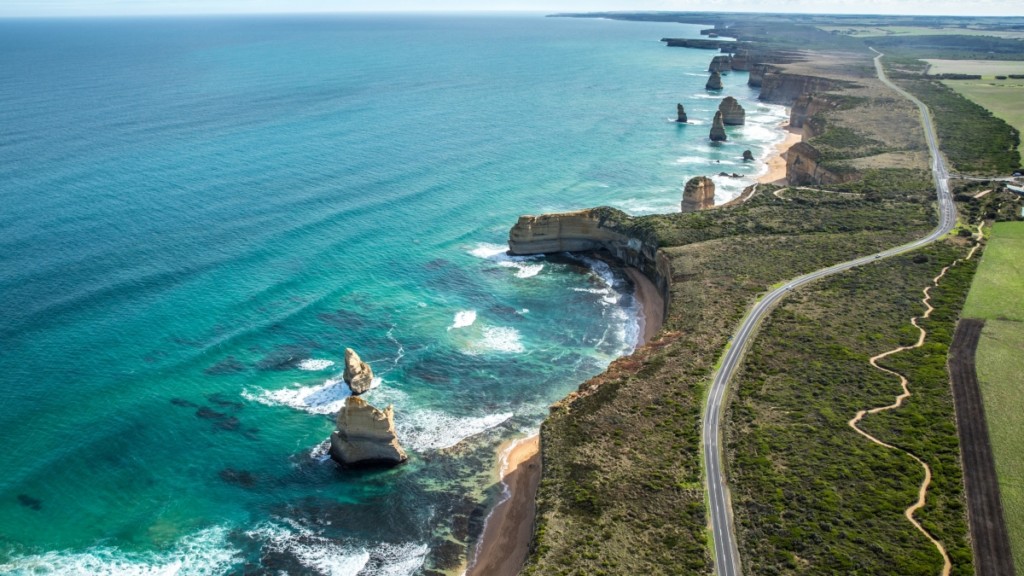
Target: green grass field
<point x="998" y="290"/>
<point x="987" y="68"/>
<point x="1001" y="97"/>
<point x="997" y="295"/>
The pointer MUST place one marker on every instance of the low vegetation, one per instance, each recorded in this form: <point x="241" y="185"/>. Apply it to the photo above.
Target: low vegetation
<point x="1002" y="97"/>
<point x="810" y="495"/>
<point x="972" y="138"/>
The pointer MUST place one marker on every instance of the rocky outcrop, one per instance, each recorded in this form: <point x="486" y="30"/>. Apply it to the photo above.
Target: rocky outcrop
<point x="358" y="374"/>
<point x="714" y="82"/>
<point x="365" y="436"/>
<point x="783" y="88"/>
<point x="732" y="113"/>
<point x="718" y="129"/>
<point x="594" y="230"/>
<point x="720" y="64"/>
<point x="723" y="45"/>
<point x="748" y="156"/>
<point x="680" y="114"/>
<point x="698" y="194"/>
<point x="803" y="167"/>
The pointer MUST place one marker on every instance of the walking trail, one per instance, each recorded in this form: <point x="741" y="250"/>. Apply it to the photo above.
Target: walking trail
<point x="923" y="490"/>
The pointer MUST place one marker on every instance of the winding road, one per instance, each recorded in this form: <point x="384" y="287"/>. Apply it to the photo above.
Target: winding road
<point x="726" y="552"/>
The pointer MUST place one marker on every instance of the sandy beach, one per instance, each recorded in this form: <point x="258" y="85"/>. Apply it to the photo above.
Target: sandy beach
<point x="652" y="305"/>
<point x="777" y="162"/>
<point x="506" y="538"/>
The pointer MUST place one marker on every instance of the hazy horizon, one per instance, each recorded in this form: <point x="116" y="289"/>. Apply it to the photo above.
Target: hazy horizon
<point x="94" y="8"/>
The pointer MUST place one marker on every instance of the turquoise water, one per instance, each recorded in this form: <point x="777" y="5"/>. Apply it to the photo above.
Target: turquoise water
<point x="199" y="215"/>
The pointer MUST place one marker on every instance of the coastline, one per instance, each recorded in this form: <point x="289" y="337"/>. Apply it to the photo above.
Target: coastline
<point x="508" y="529"/>
<point x="776" y="162"/>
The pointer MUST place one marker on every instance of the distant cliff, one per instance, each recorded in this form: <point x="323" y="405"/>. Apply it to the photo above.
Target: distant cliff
<point x="784" y="88"/>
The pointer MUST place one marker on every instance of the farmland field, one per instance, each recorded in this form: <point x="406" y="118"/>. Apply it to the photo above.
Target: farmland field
<point x="997" y="295"/>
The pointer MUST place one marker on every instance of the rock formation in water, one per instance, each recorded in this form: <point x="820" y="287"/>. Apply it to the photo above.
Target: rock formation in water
<point x="718" y="129"/>
<point x="358" y="374"/>
<point x="680" y="114"/>
<point x="720" y="64"/>
<point x="365" y="436"/>
<point x="732" y="113"/>
<point x="748" y="156"/>
<point x="714" y="82"/>
<point x="698" y="194"/>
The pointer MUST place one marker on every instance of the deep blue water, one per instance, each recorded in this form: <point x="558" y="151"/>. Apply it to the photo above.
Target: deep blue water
<point x="198" y="215"/>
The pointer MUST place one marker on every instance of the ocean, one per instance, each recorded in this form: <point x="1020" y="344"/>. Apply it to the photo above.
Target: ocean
<point x="199" y="215"/>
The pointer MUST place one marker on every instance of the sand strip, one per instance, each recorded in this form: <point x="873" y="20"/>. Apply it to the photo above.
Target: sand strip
<point x="777" y="162"/>
<point x="652" y="305"/>
<point x="506" y="539"/>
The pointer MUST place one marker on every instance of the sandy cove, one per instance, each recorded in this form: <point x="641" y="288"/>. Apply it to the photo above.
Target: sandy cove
<point x="505" y="542"/>
<point x="776" y="173"/>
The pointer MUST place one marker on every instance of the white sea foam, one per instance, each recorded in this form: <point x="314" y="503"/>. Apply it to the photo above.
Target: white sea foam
<point x="326" y="398"/>
<point x="205" y="552"/>
<point x="463" y="319"/>
<point x="315" y="364"/>
<point x="525" y="266"/>
<point x="321" y="452"/>
<point x="339" y="558"/>
<point x="500" y="339"/>
<point x="423" y="430"/>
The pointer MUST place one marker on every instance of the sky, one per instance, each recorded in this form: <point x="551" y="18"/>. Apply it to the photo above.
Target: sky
<point x="30" y="8"/>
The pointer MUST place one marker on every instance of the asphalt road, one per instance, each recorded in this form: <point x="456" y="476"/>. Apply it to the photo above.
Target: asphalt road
<point x="726" y="553"/>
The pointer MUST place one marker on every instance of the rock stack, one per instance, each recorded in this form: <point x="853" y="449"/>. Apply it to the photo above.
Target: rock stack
<point x="358" y="374"/>
<point x="732" y="113"/>
<point x="680" y="114"/>
<point x="698" y="194"/>
<point x="714" y="82"/>
<point x="718" y="129"/>
<point x="365" y="436"/>
<point x="748" y="156"/>
<point x="720" y="64"/>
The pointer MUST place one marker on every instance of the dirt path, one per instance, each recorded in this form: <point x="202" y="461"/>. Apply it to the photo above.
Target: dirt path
<point x="923" y="490"/>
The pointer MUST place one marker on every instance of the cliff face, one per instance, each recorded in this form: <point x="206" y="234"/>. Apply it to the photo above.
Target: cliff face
<point x="757" y="72"/>
<point x="803" y="168"/>
<point x="782" y="88"/>
<point x="590" y="230"/>
<point x="698" y="194"/>
<point x="805" y="107"/>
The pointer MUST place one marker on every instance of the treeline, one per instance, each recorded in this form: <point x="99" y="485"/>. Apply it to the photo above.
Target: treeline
<point x="967" y="47"/>
<point x="972" y="138"/>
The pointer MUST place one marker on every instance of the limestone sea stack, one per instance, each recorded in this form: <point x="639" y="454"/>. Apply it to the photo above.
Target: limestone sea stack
<point x="718" y="129"/>
<point x="720" y="64"/>
<point x="680" y="114"/>
<point x="748" y="156"/>
<point x="698" y="194"/>
<point x="366" y="436"/>
<point x="358" y="374"/>
<point x="732" y="113"/>
<point x="714" y="82"/>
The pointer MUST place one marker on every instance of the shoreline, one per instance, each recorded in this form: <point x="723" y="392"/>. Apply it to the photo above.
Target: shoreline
<point x="505" y="542"/>
<point x="776" y="161"/>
